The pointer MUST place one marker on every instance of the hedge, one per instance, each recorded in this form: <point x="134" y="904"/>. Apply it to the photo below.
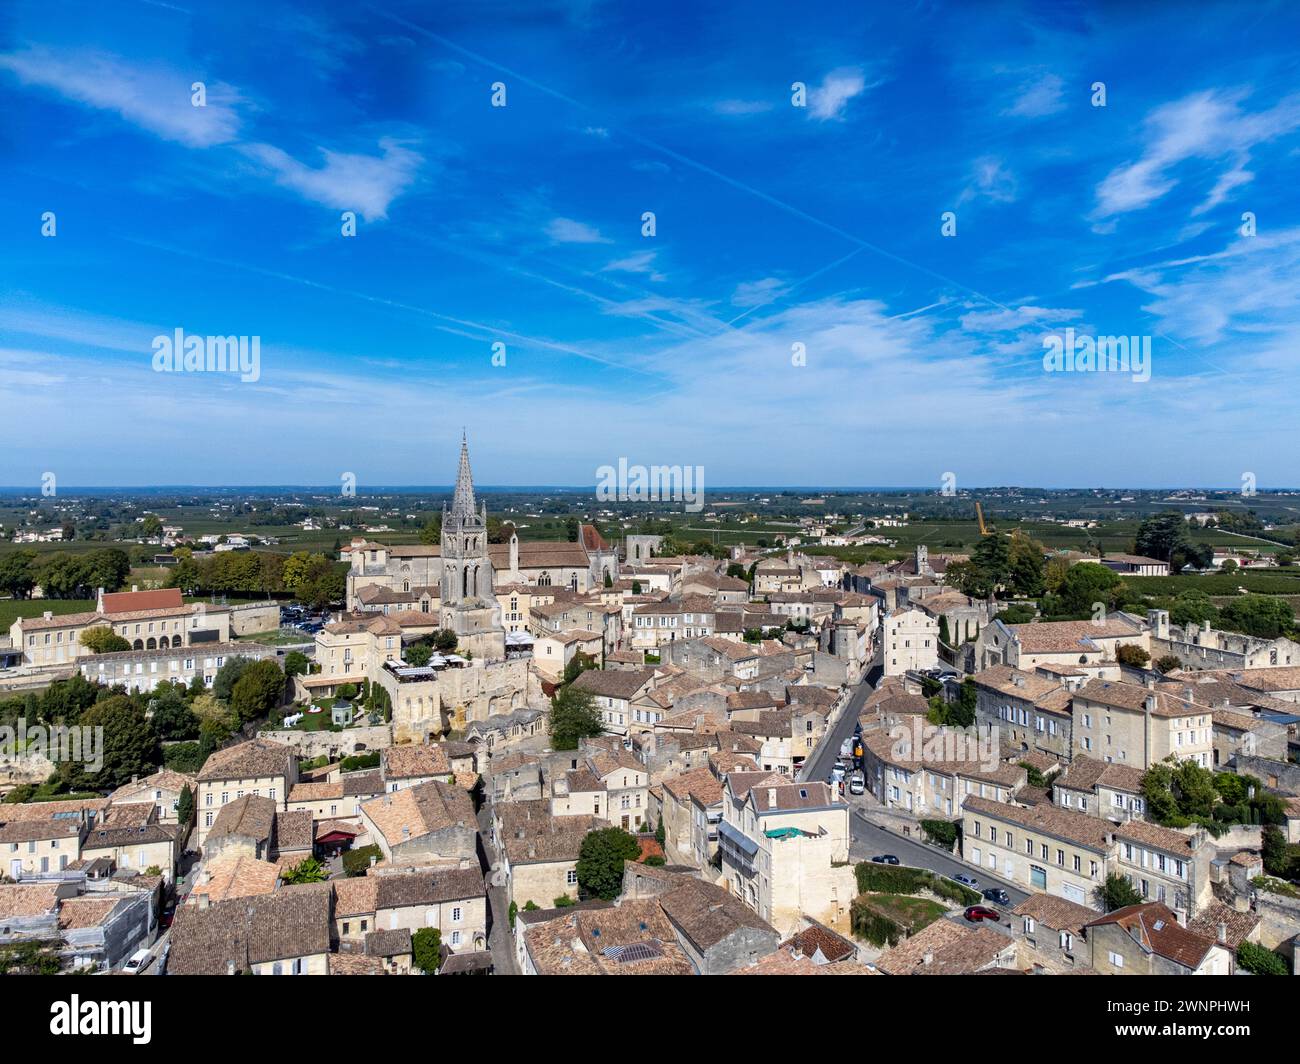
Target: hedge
<point x="1261" y="961"/>
<point x="900" y="879"/>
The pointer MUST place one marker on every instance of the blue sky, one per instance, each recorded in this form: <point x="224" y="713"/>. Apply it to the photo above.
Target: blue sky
<point x="775" y="225"/>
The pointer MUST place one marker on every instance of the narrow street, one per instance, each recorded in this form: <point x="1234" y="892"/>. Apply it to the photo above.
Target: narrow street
<point x="500" y="942"/>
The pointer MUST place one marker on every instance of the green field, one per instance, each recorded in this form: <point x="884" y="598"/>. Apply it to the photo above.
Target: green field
<point x="11" y="609"/>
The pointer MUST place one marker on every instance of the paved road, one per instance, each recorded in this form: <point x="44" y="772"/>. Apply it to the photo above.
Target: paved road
<point x="869" y="840"/>
<point x="818" y="766"/>
<point x="500" y="941"/>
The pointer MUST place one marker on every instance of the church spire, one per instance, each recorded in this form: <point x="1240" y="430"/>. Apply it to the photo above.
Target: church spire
<point x="462" y="503"/>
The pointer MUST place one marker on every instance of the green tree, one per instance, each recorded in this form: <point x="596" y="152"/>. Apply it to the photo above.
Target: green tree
<point x="578" y="664"/>
<point x="574" y="716"/>
<point x="417" y="654"/>
<point x="1265" y="616"/>
<point x="223" y="684"/>
<point x="1027" y="566"/>
<point x="1165" y="536"/>
<point x="257" y="691"/>
<point x="601" y="859"/>
<point x="1168" y="663"/>
<point x="1260" y="960"/>
<point x="1085" y="585"/>
<point x="1273" y="849"/>
<point x="18" y="573"/>
<point x="130" y="747"/>
<point x="185" y="806"/>
<point x="431" y="533"/>
<point x="1133" y="655"/>
<point x="1193" y="607"/>
<point x="308" y="870"/>
<point x="296" y="663"/>
<point x="1117" y="892"/>
<point x="173" y="718"/>
<point x="426" y="949"/>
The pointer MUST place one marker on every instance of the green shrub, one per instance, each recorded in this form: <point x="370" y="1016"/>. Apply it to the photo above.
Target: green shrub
<point x="942" y="832"/>
<point x="1261" y="961"/>
<point x="355" y="862"/>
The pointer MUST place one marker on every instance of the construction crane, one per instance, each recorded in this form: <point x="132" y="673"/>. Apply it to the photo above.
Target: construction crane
<point x="979" y="514"/>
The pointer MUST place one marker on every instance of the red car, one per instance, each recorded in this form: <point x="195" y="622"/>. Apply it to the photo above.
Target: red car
<point x="976" y="913"/>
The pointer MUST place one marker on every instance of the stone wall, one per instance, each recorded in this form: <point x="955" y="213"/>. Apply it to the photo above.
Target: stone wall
<point x="250" y="617"/>
<point x="332" y="744"/>
<point x="1279" y="918"/>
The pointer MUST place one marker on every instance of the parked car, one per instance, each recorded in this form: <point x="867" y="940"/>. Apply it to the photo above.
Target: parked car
<point x="857" y="784"/>
<point x="967" y="881"/>
<point x="997" y="896"/>
<point x="136" y="962"/>
<point x="837" y="775"/>
<point x="976" y="913"/>
<point x="846" y="747"/>
<point x="885" y="858"/>
<point x="167" y="916"/>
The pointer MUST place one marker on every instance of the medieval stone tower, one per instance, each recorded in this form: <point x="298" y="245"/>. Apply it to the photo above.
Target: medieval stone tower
<point x="469" y="604"/>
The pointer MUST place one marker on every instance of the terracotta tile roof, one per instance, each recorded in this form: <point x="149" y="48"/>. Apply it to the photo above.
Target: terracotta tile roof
<point x="355" y="964"/>
<point x="786" y="960"/>
<point x="815" y="939"/>
<point x="1153" y="835"/>
<point x="1060" y="637"/>
<point x="1081" y="829"/>
<point x="292" y="922"/>
<point x="85" y="911"/>
<point x="1133" y="698"/>
<point x="705" y="913"/>
<point x="414" y="760"/>
<point x="421" y="810"/>
<point x="27" y="811"/>
<point x="1058" y="914"/>
<point x="1015" y="683"/>
<point x="952" y="950"/>
<point x="613" y="683"/>
<point x="27" y="899"/>
<point x="249" y="760"/>
<point x="388" y="943"/>
<point x="126" y="601"/>
<point x="1238" y="927"/>
<point x="247" y="817"/>
<point x="605" y="944"/>
<point x="1156" y="929"/>
<point x="400" y="890"/>
<point x="236" y="875"/>
<point x="698" y="783"/>
<point x="355" y="895"/>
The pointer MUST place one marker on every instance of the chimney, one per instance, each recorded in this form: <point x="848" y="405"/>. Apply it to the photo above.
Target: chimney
<point x="204" y="901"/>
<point x="1223" y="933"/>
<point x="1149" y="704"/>
<point x="99" y="601"/>
<point x="771" y="797"/>
<point x="928" y="959"/>
<point x="230" y="967"/>
<point x="135" y="588"/>
<point x="373" y="860"/>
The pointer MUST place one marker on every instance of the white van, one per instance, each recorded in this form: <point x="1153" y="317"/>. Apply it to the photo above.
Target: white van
<point x="133" y="966"/>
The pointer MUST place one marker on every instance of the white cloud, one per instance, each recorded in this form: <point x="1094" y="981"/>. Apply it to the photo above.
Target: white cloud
<point x="1039" y="98"/>
<point x="990" y="180"/>
<point x="568" y="231"/>
<point x="757" y="293"/>
<point x="642" y="262"/>
<point x="364" y="183"/>
<point x="740" y="108"/>
<point x="829" y="99"/>
<point x="1205" y="125"/>
<point x="152" y="98"/>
